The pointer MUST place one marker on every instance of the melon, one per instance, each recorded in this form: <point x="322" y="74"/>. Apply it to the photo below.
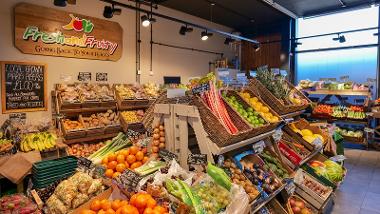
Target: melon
<point x="306" y="132"/>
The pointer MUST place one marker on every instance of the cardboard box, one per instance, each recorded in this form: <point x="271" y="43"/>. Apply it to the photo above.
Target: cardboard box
<point x="104" y="195"/>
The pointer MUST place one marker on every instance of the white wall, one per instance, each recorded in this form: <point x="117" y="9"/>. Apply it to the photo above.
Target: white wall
<point x="166" y="61"/>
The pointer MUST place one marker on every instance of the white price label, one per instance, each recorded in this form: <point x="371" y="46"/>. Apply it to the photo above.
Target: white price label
<point x="318" y="142"/>
<point x="277" y="135"/>
<point x="290" y="188"/>
<point x="366" y="129"/>
<point x="258" y="147"/>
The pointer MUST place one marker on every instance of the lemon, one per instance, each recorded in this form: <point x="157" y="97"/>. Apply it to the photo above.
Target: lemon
<point x="306" y="132"/>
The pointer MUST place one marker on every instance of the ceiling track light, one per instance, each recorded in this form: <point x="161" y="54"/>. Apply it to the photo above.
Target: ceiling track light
<point x="205" y="35"/>
<point x="185" y="29"/>
<point x="340" y="38"/>
<point x="146" y="21"/>
<point x="376" y="34"/>
<point x="109" y="11"/>
<point x="228" y="40"/>
<point x="256" y="47"/>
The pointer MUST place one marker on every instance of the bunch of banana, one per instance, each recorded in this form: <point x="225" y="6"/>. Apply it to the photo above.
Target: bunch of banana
<point x="38" y="141"/>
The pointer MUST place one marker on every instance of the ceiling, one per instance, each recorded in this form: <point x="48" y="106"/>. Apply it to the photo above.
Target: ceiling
<point x="251" y="15"/>
<point x="314" y="7"/>
<point x="239" y="15"/>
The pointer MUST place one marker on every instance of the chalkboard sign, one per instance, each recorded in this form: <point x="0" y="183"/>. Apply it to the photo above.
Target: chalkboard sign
<point x="18" y="117"/>
<point x="84" y="76"/>
<point x="100" y="77"/>
<point x="128" y="180"/>
<point x="200" y="88"/>
<point x="197" y="159"/>
<point x="167" y="155"/>
<point x="23" y="87"/>
<point x="84" y="163"/>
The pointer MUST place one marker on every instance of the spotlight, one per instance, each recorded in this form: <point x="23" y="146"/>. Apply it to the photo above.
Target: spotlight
<point x="145" y="20"/>
<point x="341" y="39"/>
<point x="256" y="47"/>
<point x="296" y="43"/>
<point x="184" y="29"/>
<point x="60" y="3"/>
<point x="110" y="11"/>
<point x="376" y="34"/>
<point x="205" y="35"/>
<point x="228" y="40"/>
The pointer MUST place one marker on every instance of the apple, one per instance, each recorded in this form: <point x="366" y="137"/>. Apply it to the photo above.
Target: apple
<point x="300" y="204"/>
<point x="296" y="210"/>
<point x="77" y="25"/>
<point x="292" y="202"/>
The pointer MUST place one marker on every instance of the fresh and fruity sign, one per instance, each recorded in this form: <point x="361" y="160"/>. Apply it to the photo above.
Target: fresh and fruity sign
<point x="79" y="24"/>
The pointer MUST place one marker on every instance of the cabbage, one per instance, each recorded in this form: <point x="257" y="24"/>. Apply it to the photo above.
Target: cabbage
<point x="334" y="171"/>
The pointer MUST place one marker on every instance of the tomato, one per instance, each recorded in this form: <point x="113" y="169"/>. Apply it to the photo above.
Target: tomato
<point x="105" y="160"/>
<point x="131" y="159"/>
<point x="148" y="210"/>
<point x="136" y="165"/>
<point x="151" y="203"/>
<point x="120" y="167"/>
<point x="139" y="155"/>
<point x="125" y="152"/>
<point x="110" y="211"/>
<point x="116" y="204"/>
<point x="112" y="165"/>
<point x="141" y="201"/>
<point x="111" y="157"/>
<point x="160" y="209"/>
<point x="133" y="150"/>
<point x="87" y="212"/>
<point x="116" y="174"/>
<point x="95" y="205"/>
<point x="128" y="209"/>
<point x="109" y="173"/>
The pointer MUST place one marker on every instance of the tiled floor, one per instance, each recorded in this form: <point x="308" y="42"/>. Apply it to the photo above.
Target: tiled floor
<point x="360" y="192"/>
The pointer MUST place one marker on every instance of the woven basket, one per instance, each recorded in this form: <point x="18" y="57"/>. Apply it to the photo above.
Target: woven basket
<point x="278" y="105"/>
<point x="303" y="124"/>
<point x="274" y="113"/>
<point x="255" y="130"/>
<point x="216" y="131"/>
<point x="290" y="211"/>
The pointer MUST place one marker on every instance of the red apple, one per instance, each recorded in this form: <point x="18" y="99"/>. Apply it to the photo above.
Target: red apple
<point x="292" y="202"/>
<point x="300" y="204"/>
<point x="296" y="210"/>
<point x="78" y="26"/>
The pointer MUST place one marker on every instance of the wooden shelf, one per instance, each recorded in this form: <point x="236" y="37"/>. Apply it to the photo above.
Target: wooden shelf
<point x="315" y="152"/>
<point x="86" y="110"/>
<point x="90" y="138"/>
<point x="341" y="92"/>
<point x="256" y="207"/>
<point x="127" y="108"/>
<point x="221" y="150"/>
<point x="291" y="115"/>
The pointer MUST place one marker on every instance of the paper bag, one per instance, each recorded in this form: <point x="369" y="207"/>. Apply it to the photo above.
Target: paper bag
<point x="19" y="165"/>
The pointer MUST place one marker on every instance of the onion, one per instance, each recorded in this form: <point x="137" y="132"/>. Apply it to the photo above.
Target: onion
<point x="162" y="133"/>
<point x="156" y="142"/>
<point x="162" y="139"/>
<point x="156" y="136"/>
<point x="155" y="149"/>
<point x="161" y="145"/>
<point x="161" y="127"/>
<point x="156" y="131"/>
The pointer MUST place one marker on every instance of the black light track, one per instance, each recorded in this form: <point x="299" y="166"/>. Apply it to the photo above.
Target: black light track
<point x="223" y="33"/>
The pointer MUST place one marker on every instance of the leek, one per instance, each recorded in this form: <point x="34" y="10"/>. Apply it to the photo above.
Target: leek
<point x="150" y="167"/>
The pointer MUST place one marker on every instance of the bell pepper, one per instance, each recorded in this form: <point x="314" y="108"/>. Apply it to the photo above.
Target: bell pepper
<point x="219" y="176"/>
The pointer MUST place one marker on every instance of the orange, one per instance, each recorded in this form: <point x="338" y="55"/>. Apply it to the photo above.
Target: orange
<point x="120" y="167"/>
<point x="116" y="204"/>
<point x="126" y="165"/>
<point x="95" y="205"/>
<point x="141" y="210"/>
<point x="101" y="211"/>
<point x="109" y="173"/>
<point x="139" y="155"/>
<point x="133" y="150"/>
<point x="131" y="159"/>
<point x="136" y="165"/>
<point x="110" y="211"/>
<point x="145" y="159"/>
<point x="87" y="212"/>
<point x="151" y="203"/>
<point x="133" y="198"/>
<point x="124" y="152"/>
<point x="105" y="165"/>
<point x="115" y="174"/>
<point x="123" y="203"/>
<point x="141" y="201"/>
<point x="111" y="157"/>
<point x="148" y="210"/>
<point x="160" y="209"/>
<point x="105" y="204"/>
<point x="120" y="158"/>
<point x="105" y="160"/>
<point x="128" y="209"/>
<point x="112" y="165"/>
<point x="118" y="211"/>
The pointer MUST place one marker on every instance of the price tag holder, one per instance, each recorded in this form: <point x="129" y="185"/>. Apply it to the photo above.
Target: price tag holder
<point x="128" y="180"/>
<point x="366" y="129"/>
<point x="197" y="159"/>
<point x="100" y="170"/>
<point x="318" y="142"/>
<point x="344" y="78"/>
<point x="290" y="188"/>
<point x="167" y="155"/>
<point x="18" y="117"/>
<point x="84" y="76"/>
<point x="258" y="147"/>
<point x="277" y="136"/>
<point x="101" y="77"/>
<point x="84" y="163"/>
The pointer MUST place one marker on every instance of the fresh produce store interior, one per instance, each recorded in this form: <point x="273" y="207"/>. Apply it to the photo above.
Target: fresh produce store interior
<point x="189" y="107"/>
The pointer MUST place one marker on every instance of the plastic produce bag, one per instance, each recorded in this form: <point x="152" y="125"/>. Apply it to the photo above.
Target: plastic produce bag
<point x="174" y="170"/>
<point x="239" y="201"/>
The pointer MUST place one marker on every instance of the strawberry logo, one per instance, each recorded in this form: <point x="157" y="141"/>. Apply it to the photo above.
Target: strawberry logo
<point x="78" y="24"/>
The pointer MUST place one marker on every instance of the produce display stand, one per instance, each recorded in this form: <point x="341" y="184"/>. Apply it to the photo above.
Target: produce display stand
<point x="339" y="94"/>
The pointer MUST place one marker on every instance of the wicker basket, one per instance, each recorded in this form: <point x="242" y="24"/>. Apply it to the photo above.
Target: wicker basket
<point x="72" y="134"/>
<point x="290" y="211"/>
<point x="137" y="127"/>
<point x="216" y="131"/>
<point x="303" y="124"/>
<point x="278" y="105"/>
<point x="359" y="140"/>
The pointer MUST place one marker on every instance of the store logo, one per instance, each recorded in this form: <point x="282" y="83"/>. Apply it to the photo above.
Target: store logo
<point x="78" y="24"/>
